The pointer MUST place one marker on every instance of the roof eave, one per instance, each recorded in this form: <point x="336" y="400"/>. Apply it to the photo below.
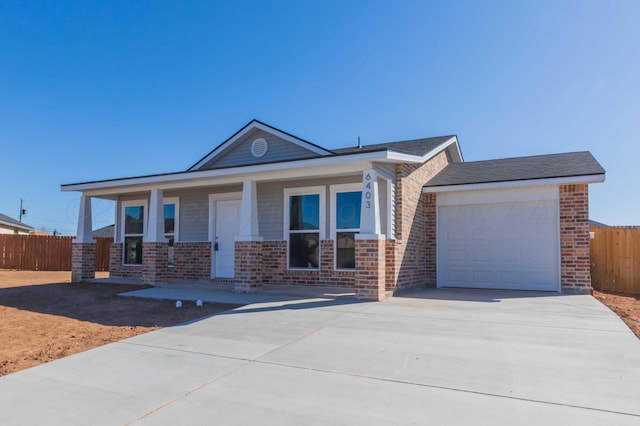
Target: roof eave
<point x="241" y="173"/>
<point x="562" y="180"/>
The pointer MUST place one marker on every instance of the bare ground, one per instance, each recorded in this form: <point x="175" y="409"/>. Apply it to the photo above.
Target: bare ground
<point x="45" y="317"/>
<point x="626" y="306"/>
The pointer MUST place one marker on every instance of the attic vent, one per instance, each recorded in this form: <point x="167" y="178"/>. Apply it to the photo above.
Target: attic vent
<point x="259" y="147"/>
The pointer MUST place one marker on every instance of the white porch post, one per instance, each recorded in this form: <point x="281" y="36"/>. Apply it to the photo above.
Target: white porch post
<point x="370" y="211"/>
<point x="370" y="244"/>
<point x="249" y="213"/>
<point x="85" y="228"/>
<point x="83" y="249"/>
<point x="154" y="232"/>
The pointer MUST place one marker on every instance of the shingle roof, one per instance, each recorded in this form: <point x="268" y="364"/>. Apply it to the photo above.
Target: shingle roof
<point x="104" y="232"/>
<point x="414" y="146"/>
<point x="11" y="221"/>
<point x="595" y="224"/>
<point x="519" y="168"/>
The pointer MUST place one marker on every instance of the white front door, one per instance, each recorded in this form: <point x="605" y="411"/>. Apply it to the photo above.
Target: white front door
<point x="225" y="229"/>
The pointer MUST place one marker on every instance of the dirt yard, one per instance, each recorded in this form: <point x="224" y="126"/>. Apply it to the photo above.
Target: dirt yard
<point x="626" y="306"/>
<point x="45" y="317"/>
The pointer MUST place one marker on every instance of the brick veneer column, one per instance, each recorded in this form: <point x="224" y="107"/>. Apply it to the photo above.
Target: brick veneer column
<point x="431" y="244"/>
<point x="574" y="238"/>
<point x="83" y="261"/>
<point x="154" y="262"/>
<point x="370" y="269"/>
<point x="248" y="266"/>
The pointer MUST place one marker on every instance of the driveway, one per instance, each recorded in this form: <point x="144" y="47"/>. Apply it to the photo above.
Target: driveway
<point x="430" y="357"/>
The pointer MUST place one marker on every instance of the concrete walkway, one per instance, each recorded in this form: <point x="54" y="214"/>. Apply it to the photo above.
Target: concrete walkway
<point x="430" y="357"/>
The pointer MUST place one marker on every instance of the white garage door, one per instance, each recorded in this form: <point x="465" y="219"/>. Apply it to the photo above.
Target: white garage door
<point x="502" y="245"/>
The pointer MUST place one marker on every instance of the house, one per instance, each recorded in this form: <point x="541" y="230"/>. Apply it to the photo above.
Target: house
<point x="267" y="207"/>
<point x="9" y="225"/>
<point x="104" y="232"/>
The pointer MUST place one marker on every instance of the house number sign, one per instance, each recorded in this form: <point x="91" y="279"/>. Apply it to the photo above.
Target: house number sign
<point x="368" y="190"/>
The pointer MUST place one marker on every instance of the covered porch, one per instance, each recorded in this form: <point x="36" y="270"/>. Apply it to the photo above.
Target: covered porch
<point x="235" y="230"/>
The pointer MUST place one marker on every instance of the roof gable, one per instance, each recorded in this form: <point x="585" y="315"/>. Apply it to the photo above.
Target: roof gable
<point x="258" y="143"/>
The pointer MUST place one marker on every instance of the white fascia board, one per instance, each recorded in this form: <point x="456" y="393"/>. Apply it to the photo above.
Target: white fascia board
<point x="517" y="183"/>
<point x="304" y="168"/>
<point x="256" y="125"/>
<point x="16" y="226"/>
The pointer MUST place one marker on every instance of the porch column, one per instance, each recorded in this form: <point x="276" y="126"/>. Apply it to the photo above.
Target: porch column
<point x="83" y="247"/>
<point x="155" y="250"/>
<point x="370" y="243"/>
<point x="248" y="243"/>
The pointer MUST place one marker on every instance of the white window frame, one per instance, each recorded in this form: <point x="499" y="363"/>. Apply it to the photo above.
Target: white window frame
<point x="132" y="203"/>
<point x="334" y="190"/>
<point x="308" y="190"/>
<point x="176" y="225"/>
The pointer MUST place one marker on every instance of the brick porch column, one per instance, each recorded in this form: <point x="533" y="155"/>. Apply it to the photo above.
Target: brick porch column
<point x="155" y="258"/>
<point x="248" y="266"/>
<point x="370" y="268"/>
<point x="155" y="249"/>
<point x="83" y="261"/>
<point x="83" y="247"/>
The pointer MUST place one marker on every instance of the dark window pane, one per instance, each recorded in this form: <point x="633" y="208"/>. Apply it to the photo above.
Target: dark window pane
<point x="133" y="250"/>
<point x="345" y="250"/>
<point x="348" y="210"/>
<point x="169" y="218"/>
<point x="304" y="250"/>
<point x="171" y="253"/>
<point x="133" y="220"/>
<point x="304" y="212"/>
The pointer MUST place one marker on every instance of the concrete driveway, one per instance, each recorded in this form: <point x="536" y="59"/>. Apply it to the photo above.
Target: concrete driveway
<point x="431" y="357"/>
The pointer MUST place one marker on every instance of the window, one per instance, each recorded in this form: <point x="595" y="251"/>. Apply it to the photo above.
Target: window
<point x="345" y="223"/>
<point x="133" y="219"/>
<point x="170" y="226"/>
<point x="304" y="224"/>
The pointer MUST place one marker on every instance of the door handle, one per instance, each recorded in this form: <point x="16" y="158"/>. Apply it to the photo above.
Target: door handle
<point x="215" y="245"/>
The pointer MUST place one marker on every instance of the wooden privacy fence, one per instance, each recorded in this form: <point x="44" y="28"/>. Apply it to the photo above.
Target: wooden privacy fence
<point x="615" y="259"/>
<point x="45" y="253"/>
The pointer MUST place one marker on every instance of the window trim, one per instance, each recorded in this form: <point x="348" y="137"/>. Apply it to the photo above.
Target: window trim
<point x="306" y="190"/>
<point x="132" y="203"/>
<point x="176" y="225"/>
<point x="334" y="191"/>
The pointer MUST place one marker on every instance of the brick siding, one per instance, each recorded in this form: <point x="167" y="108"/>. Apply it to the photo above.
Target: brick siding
<point x="574" y="238"/>
<point x="274" y="255"/>
<point x="83" y="261"/>
<point x="248" y="266"/>
<point x="370" y="269"/>
<point x="411" y="263"/>
<point x="154" y="263"/>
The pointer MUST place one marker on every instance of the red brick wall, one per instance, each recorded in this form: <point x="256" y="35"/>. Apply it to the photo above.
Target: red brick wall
<point x="411" y="223"/>
<point x="431" y="242"/>
<point x="370" y="269"/>
<point x="83" y="261"/>
<point x="154" y="263"/>
<point x="248" y="266"/>
<point x="192" y="261"/>
<point x="574" y="238"/>
<point x="275" y="271"/>
<point x="116" y="268"/>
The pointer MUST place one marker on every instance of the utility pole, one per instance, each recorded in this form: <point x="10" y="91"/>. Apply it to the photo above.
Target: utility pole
<point x="23" y="211"/>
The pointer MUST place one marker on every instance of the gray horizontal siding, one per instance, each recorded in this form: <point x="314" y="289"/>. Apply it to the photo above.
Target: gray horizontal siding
<point x="240" y="152"/>
<point x="271" y="203"/>
<point x="194" y="211"/>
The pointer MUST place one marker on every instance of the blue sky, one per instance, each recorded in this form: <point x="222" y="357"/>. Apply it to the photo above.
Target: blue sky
<point x="104" y="90"/>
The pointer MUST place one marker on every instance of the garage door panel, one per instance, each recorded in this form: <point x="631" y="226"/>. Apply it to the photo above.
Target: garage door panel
<point x="501" y="245"/>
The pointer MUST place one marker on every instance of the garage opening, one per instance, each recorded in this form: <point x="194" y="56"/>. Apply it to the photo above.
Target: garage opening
<point x="499" y="239"/>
